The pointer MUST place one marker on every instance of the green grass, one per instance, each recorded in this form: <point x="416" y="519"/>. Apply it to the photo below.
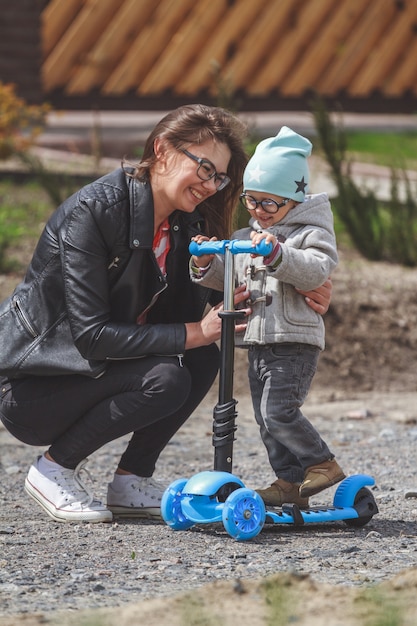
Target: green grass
<point x="392" y="149"/>
<point x="280" y="599"/>
<point x="194" y="613"/>
<point x="24" y="209"/>
<point x="377" y="610"/>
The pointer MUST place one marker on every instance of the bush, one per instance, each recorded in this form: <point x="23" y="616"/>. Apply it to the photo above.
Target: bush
<point x="379" y="230"/>
<point x="20" y="123"/>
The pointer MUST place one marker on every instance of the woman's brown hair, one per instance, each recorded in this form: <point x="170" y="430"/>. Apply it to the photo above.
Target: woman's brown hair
<point x="195" y="124"/>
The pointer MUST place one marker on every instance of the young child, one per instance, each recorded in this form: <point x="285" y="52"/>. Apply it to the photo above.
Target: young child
<point x="284" y="336"/>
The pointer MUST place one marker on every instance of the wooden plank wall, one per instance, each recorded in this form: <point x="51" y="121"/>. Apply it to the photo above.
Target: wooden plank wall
<point x="127" y="51"/>
<point x="20" y="46"/>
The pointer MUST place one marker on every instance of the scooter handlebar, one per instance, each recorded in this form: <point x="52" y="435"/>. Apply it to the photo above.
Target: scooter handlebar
<point x="236" y="246"/>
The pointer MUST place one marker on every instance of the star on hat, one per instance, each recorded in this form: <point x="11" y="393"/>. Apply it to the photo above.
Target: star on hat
<point x="301" y="185"/>
<point x="256" y="174"/>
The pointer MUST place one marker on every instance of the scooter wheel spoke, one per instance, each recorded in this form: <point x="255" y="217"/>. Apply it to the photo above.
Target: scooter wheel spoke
<point x="171" y="510"/>
<point x="243" y="514"/>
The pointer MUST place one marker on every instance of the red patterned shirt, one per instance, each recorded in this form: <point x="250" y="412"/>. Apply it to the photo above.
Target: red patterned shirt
<point x="161" y="245"/>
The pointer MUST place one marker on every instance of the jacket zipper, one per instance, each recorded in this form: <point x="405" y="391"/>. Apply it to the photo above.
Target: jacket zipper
<point x="114" y="263"/>
<point x="154" y="298"/>
<point x="24" y="319"/>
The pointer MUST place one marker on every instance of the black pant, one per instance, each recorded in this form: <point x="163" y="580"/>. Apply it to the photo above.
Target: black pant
<point x="150" y="397"/>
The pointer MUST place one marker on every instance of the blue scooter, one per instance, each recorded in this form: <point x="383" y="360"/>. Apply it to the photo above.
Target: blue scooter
<point x="220" y="496"/>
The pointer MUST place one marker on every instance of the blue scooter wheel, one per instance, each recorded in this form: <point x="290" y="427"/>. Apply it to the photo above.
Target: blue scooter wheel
<point x="366" y="508"/>
<point x="243" y="514"/>
<point x="171" y="510"/>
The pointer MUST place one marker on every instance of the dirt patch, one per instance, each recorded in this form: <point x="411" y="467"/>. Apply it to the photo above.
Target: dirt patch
<point x="282" y="599"/>
<point x="371" y="327"/>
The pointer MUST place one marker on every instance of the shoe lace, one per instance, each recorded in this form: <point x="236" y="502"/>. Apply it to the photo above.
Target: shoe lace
<point x="152" y="482"/>
<point x="149" y="485"/>
<point x="71" y="481"/>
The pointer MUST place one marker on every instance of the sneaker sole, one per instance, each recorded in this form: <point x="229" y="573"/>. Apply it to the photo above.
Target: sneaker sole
<point x="142" y="513"/>
<point x="65" y="516"/>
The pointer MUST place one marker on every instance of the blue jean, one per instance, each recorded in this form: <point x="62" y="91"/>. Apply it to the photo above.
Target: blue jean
<point x="150" y="397"/>
<point x="280" y="376"/>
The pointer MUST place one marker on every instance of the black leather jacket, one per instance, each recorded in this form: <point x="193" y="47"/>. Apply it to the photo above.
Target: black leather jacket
<point x="92" y="273"/>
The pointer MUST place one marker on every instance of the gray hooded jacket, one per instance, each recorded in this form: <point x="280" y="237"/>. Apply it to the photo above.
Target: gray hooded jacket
<point x="308" y="256"/>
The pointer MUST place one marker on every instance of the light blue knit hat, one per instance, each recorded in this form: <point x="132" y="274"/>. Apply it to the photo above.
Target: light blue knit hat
<point x="279" y="166"/>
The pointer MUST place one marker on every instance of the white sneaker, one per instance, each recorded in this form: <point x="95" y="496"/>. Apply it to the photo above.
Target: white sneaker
<point x="62" y="494"/>
<point x="134" y="496"/>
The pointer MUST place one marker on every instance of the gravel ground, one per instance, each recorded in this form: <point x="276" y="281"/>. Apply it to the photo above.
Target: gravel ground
<point x="46" y="565"/>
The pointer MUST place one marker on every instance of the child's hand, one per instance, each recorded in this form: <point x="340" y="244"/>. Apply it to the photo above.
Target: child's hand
<point x="205" y="259"/>
<point x="257" y="237"/>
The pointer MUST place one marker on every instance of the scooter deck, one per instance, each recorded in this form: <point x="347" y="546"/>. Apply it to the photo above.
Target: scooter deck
<point x="292" y="514"/>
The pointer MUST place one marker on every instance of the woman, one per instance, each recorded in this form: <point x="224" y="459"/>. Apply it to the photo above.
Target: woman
<point x="105" y="336"/>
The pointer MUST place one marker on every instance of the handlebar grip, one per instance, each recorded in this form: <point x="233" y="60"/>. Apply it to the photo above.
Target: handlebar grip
<point x="236" y="246"/>
<point x="207" y="247"/>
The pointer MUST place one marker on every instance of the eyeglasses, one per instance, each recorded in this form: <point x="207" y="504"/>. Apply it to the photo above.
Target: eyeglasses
<point x="207" y="171"/>
<point x="268" y="205"/>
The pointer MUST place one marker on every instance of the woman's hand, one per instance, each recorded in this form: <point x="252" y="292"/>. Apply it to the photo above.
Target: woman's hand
<point x="319" y="299"/>
<point x="205" y="259"/>
<point x="209" y="328"/>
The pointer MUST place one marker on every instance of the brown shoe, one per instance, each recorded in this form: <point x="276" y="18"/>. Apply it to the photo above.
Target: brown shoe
<point x="319" y="477"/>
<point x="282" y="492"/>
